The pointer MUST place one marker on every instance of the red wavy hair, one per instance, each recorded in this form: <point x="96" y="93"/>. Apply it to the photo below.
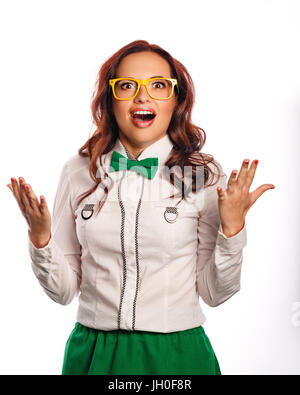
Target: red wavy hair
<point x="187" y="138"/>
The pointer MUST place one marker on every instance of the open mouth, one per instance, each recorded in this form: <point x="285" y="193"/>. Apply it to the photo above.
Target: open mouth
<point x="143" y="117"/>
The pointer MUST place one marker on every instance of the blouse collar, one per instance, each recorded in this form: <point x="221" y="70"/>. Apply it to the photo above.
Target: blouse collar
<point x="160" y="149"/>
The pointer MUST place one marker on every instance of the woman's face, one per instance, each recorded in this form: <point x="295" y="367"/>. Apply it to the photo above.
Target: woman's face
<point x="143" y="65"/>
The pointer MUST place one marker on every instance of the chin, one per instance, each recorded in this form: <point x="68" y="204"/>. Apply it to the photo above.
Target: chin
<point x="140" y="133"/>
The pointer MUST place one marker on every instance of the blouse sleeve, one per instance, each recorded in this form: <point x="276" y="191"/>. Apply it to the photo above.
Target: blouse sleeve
<point x="57" y="266"/>
<point x="219" y="258"/>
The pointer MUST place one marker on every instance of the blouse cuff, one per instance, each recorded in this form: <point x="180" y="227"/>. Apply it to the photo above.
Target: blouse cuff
<point x="39" y="254"/>
<point x="233" y="244"/>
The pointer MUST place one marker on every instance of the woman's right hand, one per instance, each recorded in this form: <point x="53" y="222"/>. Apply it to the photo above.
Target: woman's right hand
<point x="36" y="213"/>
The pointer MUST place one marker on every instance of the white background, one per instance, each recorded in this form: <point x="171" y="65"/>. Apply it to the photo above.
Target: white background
<point x="244" y="59"/>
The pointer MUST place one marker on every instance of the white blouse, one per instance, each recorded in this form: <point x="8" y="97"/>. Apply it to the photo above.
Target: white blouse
<point x="142" y="262"/>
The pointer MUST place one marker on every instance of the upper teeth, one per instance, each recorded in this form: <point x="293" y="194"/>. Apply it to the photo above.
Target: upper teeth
<point x="143" y="112"/>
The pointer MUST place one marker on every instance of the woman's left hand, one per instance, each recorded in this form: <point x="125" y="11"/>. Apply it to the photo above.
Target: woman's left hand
<point x="236" y="200"/>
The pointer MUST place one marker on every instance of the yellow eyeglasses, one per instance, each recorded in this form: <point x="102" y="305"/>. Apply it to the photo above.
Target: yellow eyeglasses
<point x="157" y="88"/>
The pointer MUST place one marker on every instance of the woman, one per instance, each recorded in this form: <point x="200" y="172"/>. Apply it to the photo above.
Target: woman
<point x="159" y="238"/>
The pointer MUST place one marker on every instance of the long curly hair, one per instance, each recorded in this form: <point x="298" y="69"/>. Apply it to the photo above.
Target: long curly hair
<point x="187" y="138"/>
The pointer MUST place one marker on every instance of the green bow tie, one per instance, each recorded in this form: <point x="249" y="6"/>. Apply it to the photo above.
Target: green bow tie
<point x="147" y="167"/>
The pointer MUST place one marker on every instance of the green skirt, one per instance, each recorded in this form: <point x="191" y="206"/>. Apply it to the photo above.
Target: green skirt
<point x="97" y="352"/>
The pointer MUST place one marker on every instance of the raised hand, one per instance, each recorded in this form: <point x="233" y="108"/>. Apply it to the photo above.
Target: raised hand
<point x="236" y="200"/>
<point x="36" y="213"/>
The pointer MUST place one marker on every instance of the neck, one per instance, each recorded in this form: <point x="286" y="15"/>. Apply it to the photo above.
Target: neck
<point x="134" y="151"/>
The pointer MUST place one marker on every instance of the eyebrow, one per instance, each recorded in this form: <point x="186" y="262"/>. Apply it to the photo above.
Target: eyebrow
<point x="155" y="76"/>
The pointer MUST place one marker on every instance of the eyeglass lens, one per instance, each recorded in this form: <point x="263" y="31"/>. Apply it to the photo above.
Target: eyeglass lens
<point x="159" y="88"/>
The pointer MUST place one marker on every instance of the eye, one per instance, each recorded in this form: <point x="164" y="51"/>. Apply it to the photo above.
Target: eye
<point x="160" y="85"/>
<point x="126" y="84"/>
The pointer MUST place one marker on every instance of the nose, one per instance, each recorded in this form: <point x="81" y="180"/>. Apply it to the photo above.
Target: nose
<point x="142" y="94"/>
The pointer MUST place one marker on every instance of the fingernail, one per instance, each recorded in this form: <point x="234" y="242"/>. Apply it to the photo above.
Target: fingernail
<point x="12" y="179"/>
<point x="246" y="161"/>
<point x="256" y="161"/>
<point x="27" y="187"/>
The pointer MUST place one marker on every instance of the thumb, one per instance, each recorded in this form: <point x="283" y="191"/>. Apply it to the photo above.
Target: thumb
<point x="259" y="191"/>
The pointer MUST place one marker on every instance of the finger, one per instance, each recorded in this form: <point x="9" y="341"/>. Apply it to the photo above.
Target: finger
<point x="32" y="199"/>
<point x="243" y="174"/>
<point x="43" y="207"/>
<point x="251" y="173"/>
<point x="17" y="195"/>
<point x="232" y="180"/>
<point x="23" y="194"/>
<point x="221" y="193"/>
